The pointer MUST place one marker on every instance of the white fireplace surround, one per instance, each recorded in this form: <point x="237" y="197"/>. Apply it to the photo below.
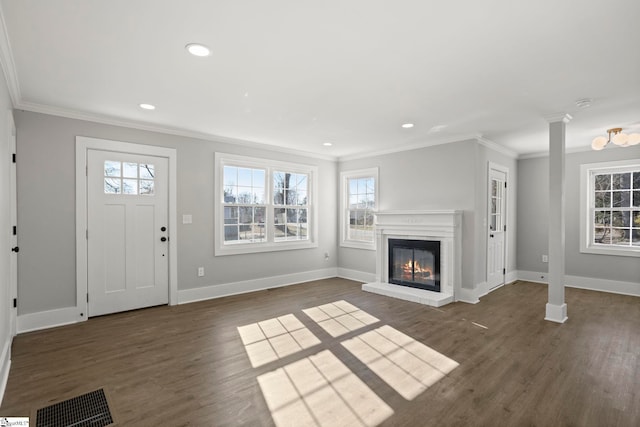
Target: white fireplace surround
<point x="444" y="226"/>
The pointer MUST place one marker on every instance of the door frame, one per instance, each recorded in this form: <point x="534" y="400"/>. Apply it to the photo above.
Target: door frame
<point x="505" y="216"/>
<point x="83" y="144"/>
<point x="13" y="215"/>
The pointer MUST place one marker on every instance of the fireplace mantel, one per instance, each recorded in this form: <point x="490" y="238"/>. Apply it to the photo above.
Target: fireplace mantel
<point x="444" y="226"/>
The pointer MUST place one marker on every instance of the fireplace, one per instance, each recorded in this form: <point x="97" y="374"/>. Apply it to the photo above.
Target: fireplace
<point x="434" y="278"/>
<point x="415" y="263"/>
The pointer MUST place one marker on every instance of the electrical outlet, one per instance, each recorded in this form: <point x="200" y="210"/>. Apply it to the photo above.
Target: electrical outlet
<point x="545" y="258"/>
<point x="326" y="256"/>
<point x="200" y="271"/>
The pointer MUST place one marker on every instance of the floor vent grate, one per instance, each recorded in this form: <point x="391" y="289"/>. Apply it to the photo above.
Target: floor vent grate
<point x="88" y="410"/>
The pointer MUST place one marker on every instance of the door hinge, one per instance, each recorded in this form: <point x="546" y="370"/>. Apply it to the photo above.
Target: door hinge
<point x="505" y="184"/>
<point x="87" y="297"/>
<point x="504" y="271"/>
<point x="86" y="234"/>
<point x="15" y="303"/>
<point x="505" y="228"/>
<point x="15" y="230"/>
<point x="13" y="157"/>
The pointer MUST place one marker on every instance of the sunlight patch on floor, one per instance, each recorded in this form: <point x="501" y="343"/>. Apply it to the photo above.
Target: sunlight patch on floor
<point x="339" y="317"/>
<point x="321" y="391"/>
<point x="406" y="365"/>
<point x="273" y="339"/>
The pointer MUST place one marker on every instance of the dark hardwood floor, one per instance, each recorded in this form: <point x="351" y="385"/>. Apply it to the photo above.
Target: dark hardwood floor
<point x="187" y="365"/>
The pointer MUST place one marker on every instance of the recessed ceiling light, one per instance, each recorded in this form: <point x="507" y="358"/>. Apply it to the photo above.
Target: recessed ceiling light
<point x="327" y="144"/>
<point x="196" y="49"/>
<point x="407" y="125"/>
<point x="147" y="107"/>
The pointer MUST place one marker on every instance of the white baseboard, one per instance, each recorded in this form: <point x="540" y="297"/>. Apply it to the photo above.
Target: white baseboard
<point x="470" y="296"/>
<point x="245" y="286"/>
<point x="48" y="319"/>
<point x="589" y="283"/>
<point x="355" y="275"/>
<point x="511" y="277"/>
<point x="5" y="366"/>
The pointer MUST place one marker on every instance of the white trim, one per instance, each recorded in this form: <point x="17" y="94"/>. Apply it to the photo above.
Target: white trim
<point x="586" y="193"/>
<point x="133" y="124"/>
<point x="556" y="313"/>
<point x="246" y="286"/>
<point x="587" y="283"/>
<point x="343" y="218"/>
<point x="355" y="275"/>
<point x="48" y="319"/>
<point x="511" y="277"/>
<point x="7" y="63"/>
<point x="497" y="147"/>
<point x="83" y="144"/>
<point x="470" y="296"/>
<point x="222" y="249"/>
<point x="5" y="366"/>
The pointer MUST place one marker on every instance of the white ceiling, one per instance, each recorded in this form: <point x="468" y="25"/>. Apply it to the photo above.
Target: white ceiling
<point x="298" y="73"/>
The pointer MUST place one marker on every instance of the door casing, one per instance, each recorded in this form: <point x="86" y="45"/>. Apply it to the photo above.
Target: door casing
<point x="83" y="144"/>
<point x="505" y="216"/>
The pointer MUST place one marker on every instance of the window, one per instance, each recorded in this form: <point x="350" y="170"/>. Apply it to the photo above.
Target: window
<point x="128" y="178"/>
<point x="263" y="205"/>
<point x="611" y="208"/>
<point x="359" y="195"/>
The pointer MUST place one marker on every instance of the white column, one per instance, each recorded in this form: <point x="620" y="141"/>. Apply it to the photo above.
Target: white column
<point x="556" y="310"/>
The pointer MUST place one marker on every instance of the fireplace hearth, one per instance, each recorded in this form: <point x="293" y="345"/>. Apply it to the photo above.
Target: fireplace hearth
<point x="415" y="263"/>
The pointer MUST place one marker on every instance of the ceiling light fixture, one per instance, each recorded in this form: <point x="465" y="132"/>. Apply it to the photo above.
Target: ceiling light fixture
<point x="197" y="49"/>
<point x="147" y="107"/>
<point x="327" y="144"/>
<point x="618" y="138"/>
<point x="407" y="125"/>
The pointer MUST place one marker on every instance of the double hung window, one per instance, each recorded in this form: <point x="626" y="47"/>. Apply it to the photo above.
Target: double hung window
<point x="264" y="205"/>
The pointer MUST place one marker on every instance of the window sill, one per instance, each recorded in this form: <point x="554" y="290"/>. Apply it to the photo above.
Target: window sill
<point x="248" y="248"/>
<point x="614" y="251"/>
<point x="358" y="245"/>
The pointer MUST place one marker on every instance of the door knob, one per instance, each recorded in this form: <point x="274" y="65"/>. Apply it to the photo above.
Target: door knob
<point x="163" y="228"/>
<point x="16" y="249"/>
<point x="163" y="239"/>
<point x="491" y="235"/>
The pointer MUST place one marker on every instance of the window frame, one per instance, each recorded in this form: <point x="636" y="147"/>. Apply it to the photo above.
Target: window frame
<point x="345" y="176"/>
<point x="222" y="248"/>
<point x="587" y="209"/>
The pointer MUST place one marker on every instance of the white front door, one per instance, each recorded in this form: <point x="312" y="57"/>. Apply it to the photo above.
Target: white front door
<point x="127" y="231"/>
<point x="497" y="227"/>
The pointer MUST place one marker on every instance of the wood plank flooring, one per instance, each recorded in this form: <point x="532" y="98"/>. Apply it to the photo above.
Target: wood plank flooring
<point x="187" y="365"/>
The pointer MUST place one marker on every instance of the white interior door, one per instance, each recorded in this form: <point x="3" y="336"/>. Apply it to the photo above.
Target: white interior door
<point x="497" y="228"/>
<point x="127" y="231"/>
<point x="13" y="208"/>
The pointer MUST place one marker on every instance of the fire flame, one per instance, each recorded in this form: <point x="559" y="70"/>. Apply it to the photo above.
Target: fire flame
<point x="419" y="271"/>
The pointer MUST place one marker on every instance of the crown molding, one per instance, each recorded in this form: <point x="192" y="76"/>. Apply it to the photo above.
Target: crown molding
<point x="558" y="117"/>
<point x="113" y="121"/>
<point x="496" y="147"/>
<point x="7" y="63"/>
<point x="417" y="146"/>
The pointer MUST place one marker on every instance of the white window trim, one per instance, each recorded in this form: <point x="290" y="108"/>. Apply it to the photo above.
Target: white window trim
<point x="222" y="159"/>
<point x="344" y="207"/>
<point x="586" y="194"/>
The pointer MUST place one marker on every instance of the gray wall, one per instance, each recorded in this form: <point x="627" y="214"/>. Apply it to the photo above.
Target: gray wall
<point x="46" y="211"/>
<point x="5" y="216"/>
<point x="450" y="176"/>
<point x="533" y="210"/>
